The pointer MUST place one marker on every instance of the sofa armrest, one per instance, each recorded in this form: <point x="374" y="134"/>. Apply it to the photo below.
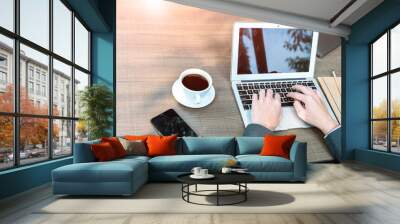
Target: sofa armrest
<point x="83" y="152"/>
<point x="298" y="155"/>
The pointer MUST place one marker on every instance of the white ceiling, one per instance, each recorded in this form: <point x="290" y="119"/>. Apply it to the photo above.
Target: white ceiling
<point x="311" y="14"/>
<point x="320" y="9"/>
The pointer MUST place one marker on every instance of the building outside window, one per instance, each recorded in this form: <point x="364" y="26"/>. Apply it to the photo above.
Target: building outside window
<point x="3" y="78"/>
<point x="37" y="75"/>
<point x="3" y="72"/>
<point x="43" y="90"/>
<point x="3" y="61"/>
<point x="56" y="129"/>
<point x="55" y="96"/>
<point x="385" y="93"/>
<point x="30" y="72"/>
<point x="3" y="81"/>
<point x="30" y="87"/>
<point x="38" y="89"/>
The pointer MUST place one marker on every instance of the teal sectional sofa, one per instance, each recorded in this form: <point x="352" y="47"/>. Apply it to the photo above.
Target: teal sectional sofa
<point x="125" y="176"/>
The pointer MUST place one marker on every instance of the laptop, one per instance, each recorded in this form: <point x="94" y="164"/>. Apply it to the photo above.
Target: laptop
<point x="271" y="56"/>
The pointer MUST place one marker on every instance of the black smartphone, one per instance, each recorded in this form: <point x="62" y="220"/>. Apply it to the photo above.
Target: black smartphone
<point x="170" y="123"/>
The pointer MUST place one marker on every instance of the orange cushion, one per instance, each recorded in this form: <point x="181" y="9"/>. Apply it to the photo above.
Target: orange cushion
<point x="161" y="145"/>
<point x="116" y="145"/>
<point x="103" y="152"/>
<point x="277" y="145"/>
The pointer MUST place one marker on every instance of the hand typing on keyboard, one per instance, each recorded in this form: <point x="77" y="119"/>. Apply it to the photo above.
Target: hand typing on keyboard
<point x="267" y="109"/>
<point x="310" y="108"/>
<point x="281" y="88"/>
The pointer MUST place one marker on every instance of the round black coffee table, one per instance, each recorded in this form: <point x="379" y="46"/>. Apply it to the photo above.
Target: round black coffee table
<point x="238" y="179"/>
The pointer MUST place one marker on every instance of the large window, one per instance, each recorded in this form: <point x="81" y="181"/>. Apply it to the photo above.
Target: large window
<point x="385" y="91"/>
<point x="44" y="64"/>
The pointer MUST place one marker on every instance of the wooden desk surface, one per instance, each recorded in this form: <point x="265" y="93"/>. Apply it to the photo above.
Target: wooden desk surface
<point x="156" y="41"/>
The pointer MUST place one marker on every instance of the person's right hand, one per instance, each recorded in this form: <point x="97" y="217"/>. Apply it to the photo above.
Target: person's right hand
<point x="311" y="108"/>
<point x="266" y="109"/>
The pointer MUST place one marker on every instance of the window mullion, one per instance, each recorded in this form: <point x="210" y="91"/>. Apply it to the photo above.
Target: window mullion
<point x="389" y="101"/>
<point x="73" y="82"/>
<point x="50" y="81"/>
<point x="371" y="140"/>
<point x="16" y="85"/>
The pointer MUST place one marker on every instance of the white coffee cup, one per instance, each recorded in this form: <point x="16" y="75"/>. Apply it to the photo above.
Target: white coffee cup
<point x="203" y="172"/>
<point x="226" y="170"/>
<point x="196" y="171"/>
<point x="191" y="94"/>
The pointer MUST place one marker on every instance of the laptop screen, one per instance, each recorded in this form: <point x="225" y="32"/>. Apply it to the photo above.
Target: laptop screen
<point x="273" y="50"/>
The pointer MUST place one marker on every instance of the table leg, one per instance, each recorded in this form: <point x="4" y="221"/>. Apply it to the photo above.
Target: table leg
<point x="245" y="193"/>
<point x="195" y="188"/>
<point x="182" y="188"/>
<point x="188" y="190"/>
<point x="217" y="194"/>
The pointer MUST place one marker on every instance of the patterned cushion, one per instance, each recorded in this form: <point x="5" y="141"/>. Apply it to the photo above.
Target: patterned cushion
<point x="135" y="147"/>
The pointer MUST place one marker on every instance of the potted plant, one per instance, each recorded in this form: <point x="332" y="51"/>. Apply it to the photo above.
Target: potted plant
<point x="96" y="103"/>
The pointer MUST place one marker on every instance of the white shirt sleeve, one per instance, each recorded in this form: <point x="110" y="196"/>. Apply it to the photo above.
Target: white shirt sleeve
<point x="339" y="126"/>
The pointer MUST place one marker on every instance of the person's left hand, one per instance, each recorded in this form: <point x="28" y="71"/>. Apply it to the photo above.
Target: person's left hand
<point x="311" y="108"/>
<point x="266" y="109"/>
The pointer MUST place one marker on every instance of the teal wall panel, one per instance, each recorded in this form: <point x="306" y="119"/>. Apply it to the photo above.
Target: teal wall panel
<point x="24" y="178"/>
<point x="380" y="159"/>
<point x="102" y="59"/>
<point x="104" y="53"/>
<point x="103" y="68"/>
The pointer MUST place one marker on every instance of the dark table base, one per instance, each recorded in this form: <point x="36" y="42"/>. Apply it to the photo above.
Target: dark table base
<point x="242" y="191"/>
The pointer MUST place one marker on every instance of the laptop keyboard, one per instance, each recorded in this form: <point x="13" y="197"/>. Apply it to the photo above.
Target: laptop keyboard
<point x="246" y="90"/>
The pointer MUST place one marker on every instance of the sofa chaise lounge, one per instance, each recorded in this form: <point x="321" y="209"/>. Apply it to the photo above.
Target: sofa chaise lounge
<point x="125" y="176"/>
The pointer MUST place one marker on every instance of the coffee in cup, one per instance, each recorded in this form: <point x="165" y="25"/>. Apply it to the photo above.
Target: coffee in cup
<point x="195" y="82"/>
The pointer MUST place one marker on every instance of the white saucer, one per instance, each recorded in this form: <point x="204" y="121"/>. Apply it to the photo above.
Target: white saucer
<point x="178" y="94"/>
<point x="208" y="176"/>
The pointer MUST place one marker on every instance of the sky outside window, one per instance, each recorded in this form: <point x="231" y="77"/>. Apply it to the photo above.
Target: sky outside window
<point x="35" y="21"/>
<point x="379" y="56"/>
<point x="395" y="47"/>
<point x="7" y="14"/>
<point x="81" y="45"/>
<point x="62" y="30"/>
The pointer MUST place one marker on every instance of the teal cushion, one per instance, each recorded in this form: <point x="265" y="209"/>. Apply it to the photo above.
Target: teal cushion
<point x="257" y="163"/>
<point x="185" y="163"/>
<point x="249" y="145"/>
<point x="130" y="158"/>
<point x="112" y="171"/>
<point x="83" y="152"/>
<point x="206" y="145"/>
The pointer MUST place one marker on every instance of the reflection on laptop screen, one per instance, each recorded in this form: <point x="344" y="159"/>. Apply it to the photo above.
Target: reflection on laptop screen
<point x="269" y="50"/>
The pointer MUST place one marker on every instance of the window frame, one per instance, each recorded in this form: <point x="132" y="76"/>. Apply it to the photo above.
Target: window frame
<point x="388" y="74"/>
<point x="16" y="114"/>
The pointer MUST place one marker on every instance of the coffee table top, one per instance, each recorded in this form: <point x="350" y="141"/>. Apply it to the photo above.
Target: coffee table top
<point x="220" y="178"/>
